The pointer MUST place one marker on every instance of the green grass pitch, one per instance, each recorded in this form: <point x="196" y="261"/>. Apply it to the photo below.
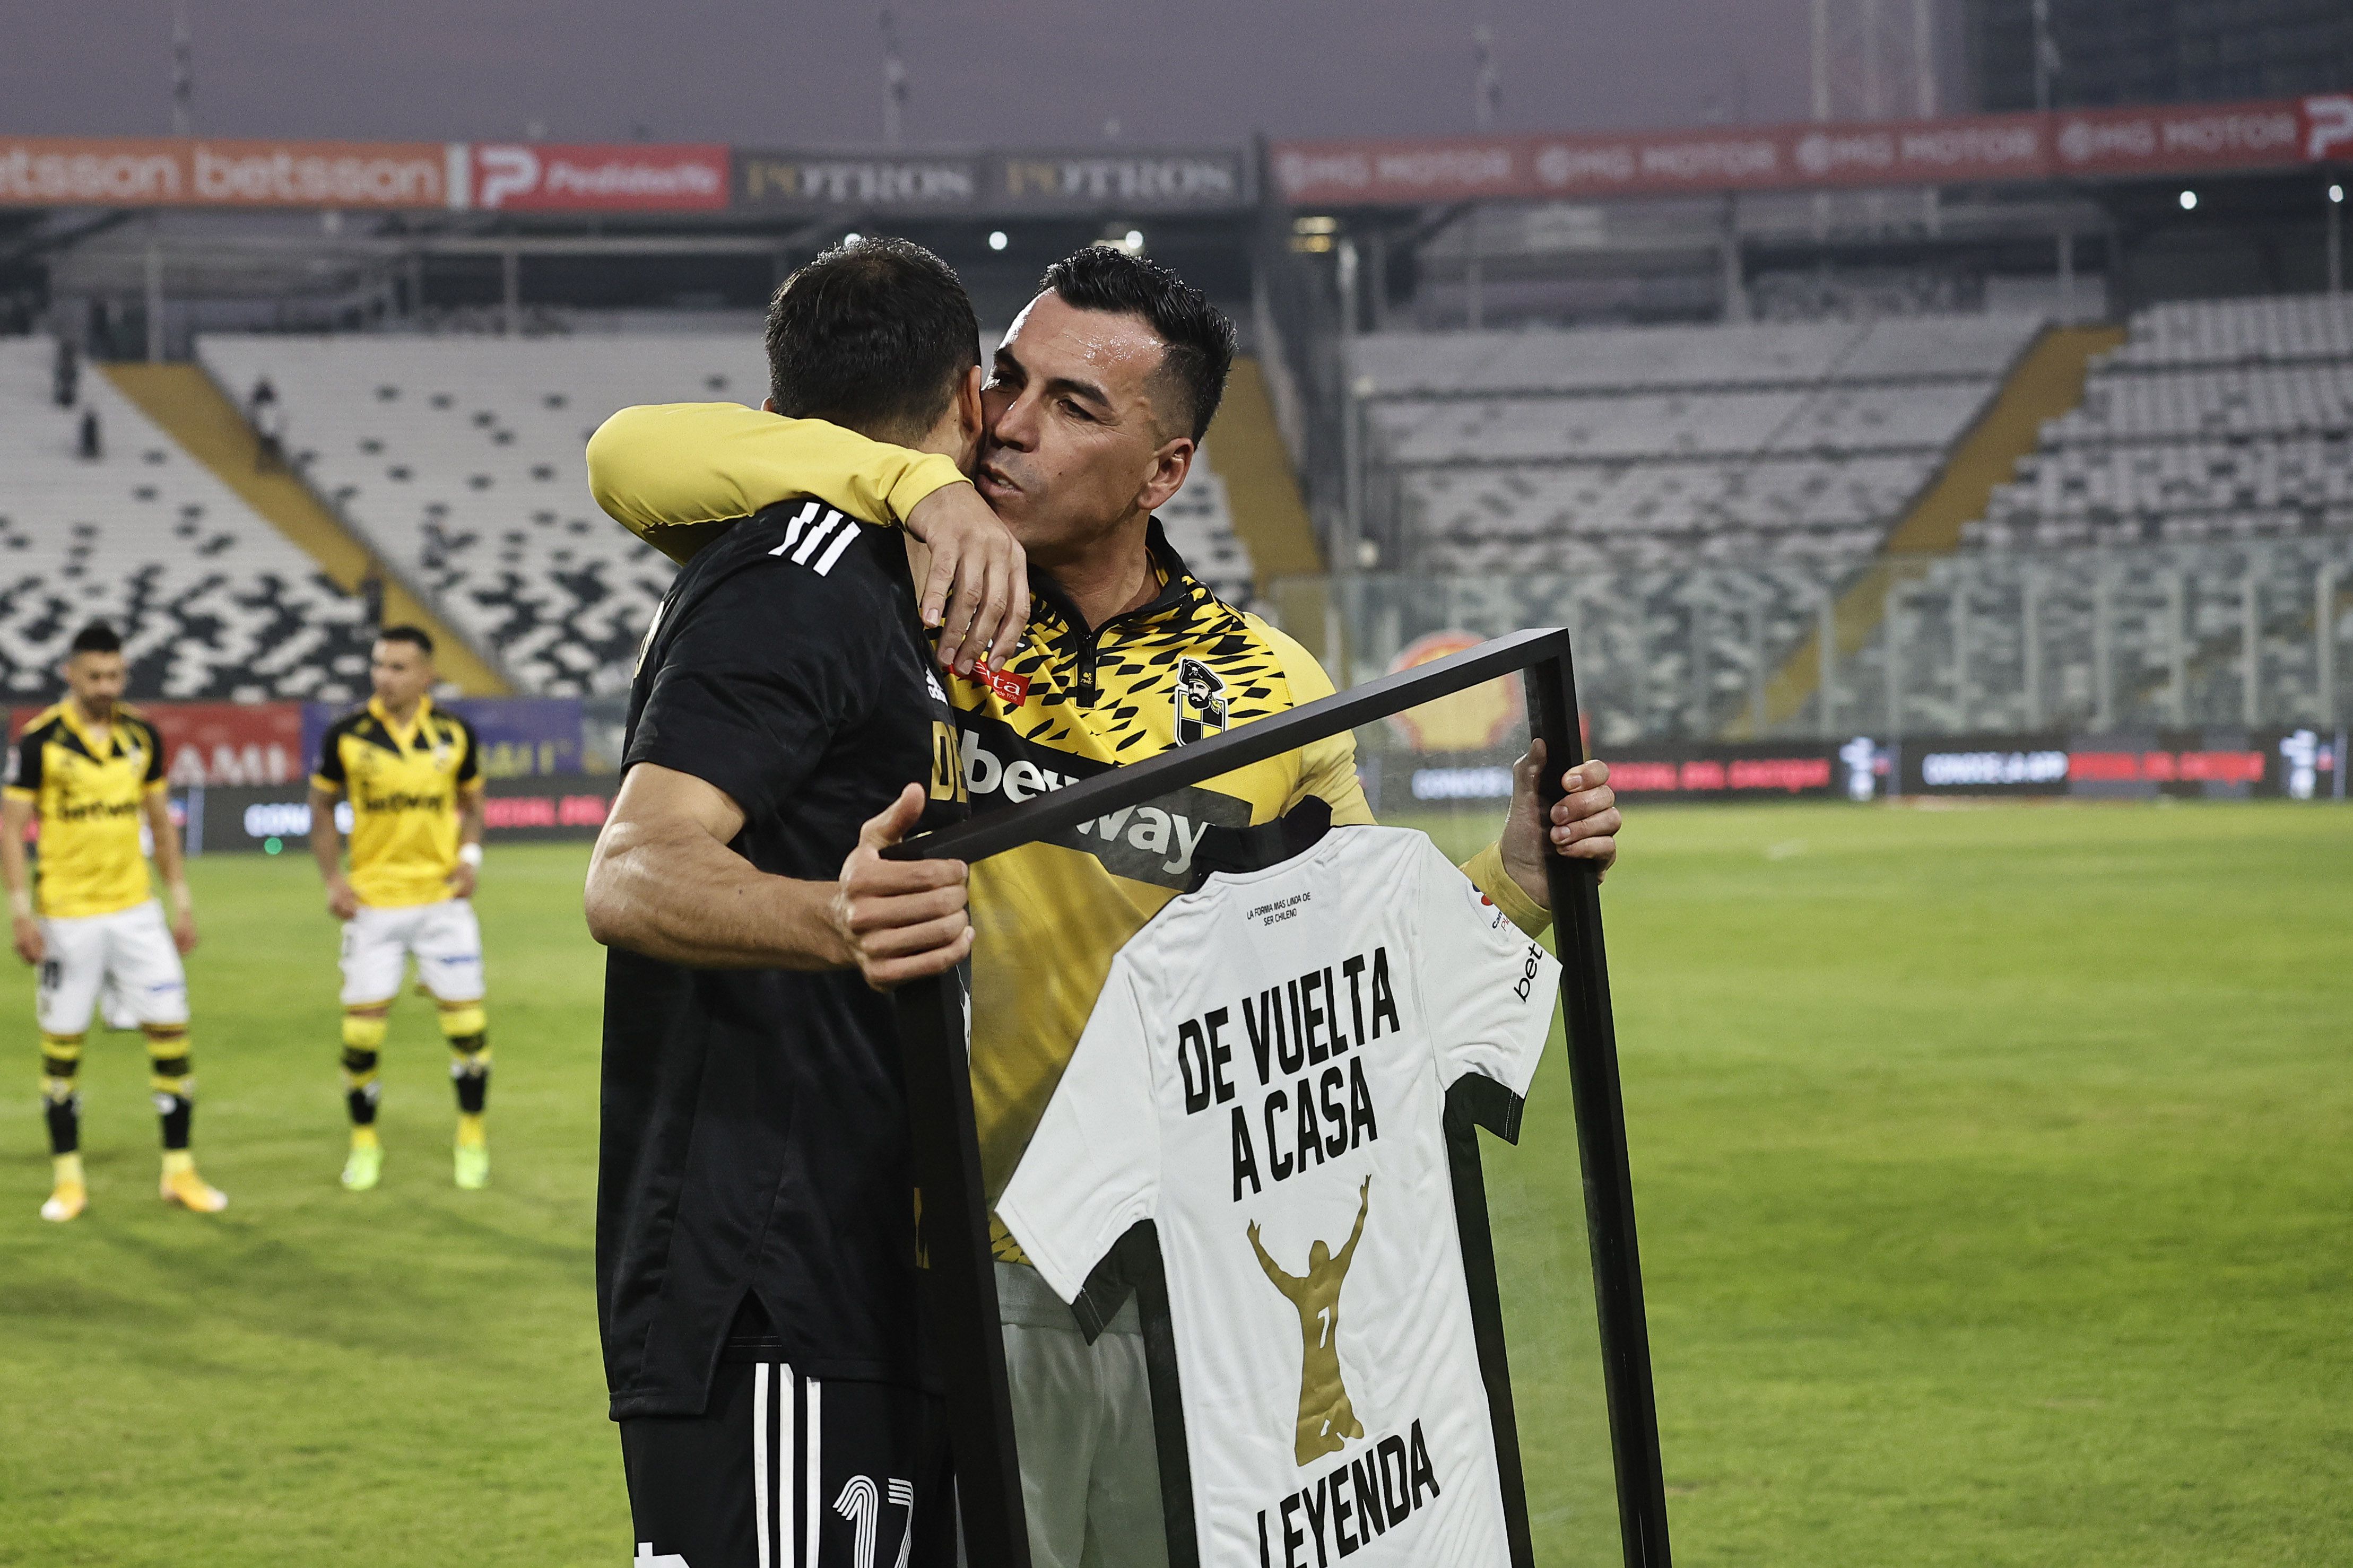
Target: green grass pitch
<point x="1993" y="1169"/>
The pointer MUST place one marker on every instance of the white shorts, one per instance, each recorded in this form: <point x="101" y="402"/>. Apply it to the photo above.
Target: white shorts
<point x="128" y="955"/>
<point x="444" y="936"/>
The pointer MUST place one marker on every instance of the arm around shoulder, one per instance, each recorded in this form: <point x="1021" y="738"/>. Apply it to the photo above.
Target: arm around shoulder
<point x="673" y="465"/>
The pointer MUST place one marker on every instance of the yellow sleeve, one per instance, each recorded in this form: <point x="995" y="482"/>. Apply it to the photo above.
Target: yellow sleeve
<point x="1486" y="872"/>
<point x="675" y="465"/>
<point x="1328" y="768"/>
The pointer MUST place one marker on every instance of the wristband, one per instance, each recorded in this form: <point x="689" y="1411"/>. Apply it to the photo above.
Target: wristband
<point x="20" y="904"/>
<point x="470" y="855"/>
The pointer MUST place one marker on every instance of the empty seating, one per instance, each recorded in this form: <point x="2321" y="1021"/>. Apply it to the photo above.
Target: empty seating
<point x="2215" y="421"/>
<point x="1602" y="359"/>
<point x="1654" y="446"/>
<point x="2242" y="331"/>
<point x="212" y="602"/>
<point x="459" y="459"/>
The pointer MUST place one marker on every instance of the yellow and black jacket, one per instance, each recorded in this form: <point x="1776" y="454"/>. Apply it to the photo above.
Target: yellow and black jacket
<point x="89" y="791"/>
<point x="404" y="781"/>
<point x="1071" y="702"/>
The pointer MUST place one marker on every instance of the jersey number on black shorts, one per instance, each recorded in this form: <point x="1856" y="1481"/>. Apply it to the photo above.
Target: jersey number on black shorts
<point x="862" y="1505"/>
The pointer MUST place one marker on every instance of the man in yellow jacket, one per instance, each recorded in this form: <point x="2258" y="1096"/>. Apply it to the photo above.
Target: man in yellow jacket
<point x="1095" y="408"/>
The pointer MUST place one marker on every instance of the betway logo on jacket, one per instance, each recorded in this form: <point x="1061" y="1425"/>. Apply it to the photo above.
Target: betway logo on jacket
<point x="1150" y="843"/>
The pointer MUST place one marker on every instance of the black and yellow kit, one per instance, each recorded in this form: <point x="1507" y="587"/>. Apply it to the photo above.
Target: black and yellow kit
<point x="1071" y="702"/>
<point x="402" y="781"/>
<point x="87" y="790"/>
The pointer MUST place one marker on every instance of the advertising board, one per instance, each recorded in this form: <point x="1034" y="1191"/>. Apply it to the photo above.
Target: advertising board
<point x="277" y="820"/>
<point x="199" y="171"/>
<point x="218" y="742"/>
<point x="1033" y="183"/>
<point x="2109" y="143"/>
<point x="624" y="177"/>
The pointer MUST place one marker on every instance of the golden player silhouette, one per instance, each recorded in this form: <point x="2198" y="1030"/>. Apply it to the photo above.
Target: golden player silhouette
<point x="1325" y="1418"/>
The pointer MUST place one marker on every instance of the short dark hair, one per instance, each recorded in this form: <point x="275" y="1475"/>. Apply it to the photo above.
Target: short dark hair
<point x="875" y="336"/>
<point x="1200" y="339"/>
<point x="408" y="633"/>
<point x="99" y="637"/>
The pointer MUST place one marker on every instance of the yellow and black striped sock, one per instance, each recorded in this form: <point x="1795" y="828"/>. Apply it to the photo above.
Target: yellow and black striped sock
<point x="364" y="1035"/>
<point x="464" y="1026"/>
<point x="61" y="1099"/>
<point x="174" y="1080"/>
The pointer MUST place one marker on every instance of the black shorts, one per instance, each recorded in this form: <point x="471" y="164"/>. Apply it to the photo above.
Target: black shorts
<point x="786" y="1472"/>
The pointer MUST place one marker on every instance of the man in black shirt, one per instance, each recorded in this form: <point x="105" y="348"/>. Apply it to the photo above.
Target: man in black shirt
<point x="756" y="1226"/>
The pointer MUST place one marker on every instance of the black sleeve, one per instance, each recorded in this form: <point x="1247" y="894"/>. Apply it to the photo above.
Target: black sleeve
<point x="470" y="757"/>
<point x="27" y="773"/>
<point x="757" y="680"/>
<point x="154" y="753"/>
<point x="331" y="757"/>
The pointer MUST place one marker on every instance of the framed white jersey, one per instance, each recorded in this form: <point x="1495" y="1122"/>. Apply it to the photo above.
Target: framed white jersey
<point x="1264" y="1077"/>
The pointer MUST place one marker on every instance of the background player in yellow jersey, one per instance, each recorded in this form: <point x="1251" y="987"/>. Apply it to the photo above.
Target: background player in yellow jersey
<point x="91" y="771"/>
<point x="413" y="776"/>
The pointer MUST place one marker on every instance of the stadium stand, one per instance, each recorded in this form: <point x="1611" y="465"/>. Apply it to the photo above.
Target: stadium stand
<point x="213" y="601"/>
<point x="1684" y="496"/>
<point x="2218" y="438"/>
<point x="2273" y="329"/>
<point x="2214" y="421"/>
<point x="1638" y="447"/>
<point x="458" y="458"/>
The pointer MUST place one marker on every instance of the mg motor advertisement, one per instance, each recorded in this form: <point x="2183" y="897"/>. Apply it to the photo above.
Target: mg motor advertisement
<point x="2112" y="144"/>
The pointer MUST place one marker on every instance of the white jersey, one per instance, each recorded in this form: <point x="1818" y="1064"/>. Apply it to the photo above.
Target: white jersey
<point x="1264" y="1077"/>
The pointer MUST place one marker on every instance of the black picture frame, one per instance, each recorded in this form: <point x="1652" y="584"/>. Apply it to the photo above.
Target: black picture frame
<point x="960" y="1281"/>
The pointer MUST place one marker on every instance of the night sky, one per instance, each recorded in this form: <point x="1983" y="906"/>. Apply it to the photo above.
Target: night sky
<point x="793" y="72"/>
